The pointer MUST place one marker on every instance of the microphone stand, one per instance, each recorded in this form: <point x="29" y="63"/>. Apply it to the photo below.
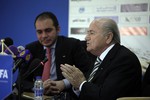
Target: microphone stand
<point x="5" y="46"/>
<point x="31" y="71"/>
<point x="20" y="85"/>
<point x="2" y="42"/>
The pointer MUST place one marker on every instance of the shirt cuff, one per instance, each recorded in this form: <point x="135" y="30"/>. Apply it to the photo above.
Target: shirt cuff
<point x="76" y="91"/>
<point x="67" y="83"/>
<point x="81" y="85"/>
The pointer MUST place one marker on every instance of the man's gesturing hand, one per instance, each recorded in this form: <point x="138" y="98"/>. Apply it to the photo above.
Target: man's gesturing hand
<point x="73" y="74"/>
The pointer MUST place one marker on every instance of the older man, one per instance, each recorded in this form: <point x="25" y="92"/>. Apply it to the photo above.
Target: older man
<point x="116" y="72"/>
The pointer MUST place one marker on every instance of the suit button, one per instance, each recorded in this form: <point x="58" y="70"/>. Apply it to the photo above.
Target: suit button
<point x="101" y="68"/>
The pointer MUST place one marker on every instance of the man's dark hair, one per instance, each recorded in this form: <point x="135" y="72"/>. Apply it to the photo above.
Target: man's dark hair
<point x="47" y="15"/>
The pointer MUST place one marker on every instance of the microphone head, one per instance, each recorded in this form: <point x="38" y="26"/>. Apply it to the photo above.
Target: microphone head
<point x="45" y="60"/>
<point x="20" y="48"/>
<point x="13" y="49"/>
<point x="8" y="41"/>
<point x="25" y="55"/>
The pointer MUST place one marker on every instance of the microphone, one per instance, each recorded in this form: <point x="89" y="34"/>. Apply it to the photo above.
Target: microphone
<point x="36" y="66"/>
<point x="23" y="57"/>
<point x="20" y="48"/>
<point x="12" y="50"/>
<point x="7" y="41"/>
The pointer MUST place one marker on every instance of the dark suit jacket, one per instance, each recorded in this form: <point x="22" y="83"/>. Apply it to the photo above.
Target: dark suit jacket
<point x="146" y="83"/>
<point x="119" y="75"/>
<point x="68" y="50"/>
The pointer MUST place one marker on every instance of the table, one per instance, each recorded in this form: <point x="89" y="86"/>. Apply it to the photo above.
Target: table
<point x="30" y="96"/>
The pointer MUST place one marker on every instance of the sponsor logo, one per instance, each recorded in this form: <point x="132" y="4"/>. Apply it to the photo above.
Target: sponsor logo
<point x="28" y="57"/>
<point x="79" y="20"/>
<point x="22" y="53"/>
<point x="141" y="7"/>
<point x="81" y="10"/>
<point x="132" y="31"/>
<point x="3" y="74"/>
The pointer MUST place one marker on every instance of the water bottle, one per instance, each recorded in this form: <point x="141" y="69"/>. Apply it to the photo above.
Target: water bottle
<point x="38" y="88"/>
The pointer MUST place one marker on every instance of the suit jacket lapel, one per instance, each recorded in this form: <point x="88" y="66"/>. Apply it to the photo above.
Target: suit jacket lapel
<point x="107" y="60"/>
<point x="60" y="55"/>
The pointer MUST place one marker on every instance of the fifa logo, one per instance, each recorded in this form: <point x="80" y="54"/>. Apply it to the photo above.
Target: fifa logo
<point x="3" y="74"/>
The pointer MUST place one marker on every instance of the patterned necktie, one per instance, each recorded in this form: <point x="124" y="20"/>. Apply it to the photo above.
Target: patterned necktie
<point x="96" y="66"/>
<point x="47" y="66"/>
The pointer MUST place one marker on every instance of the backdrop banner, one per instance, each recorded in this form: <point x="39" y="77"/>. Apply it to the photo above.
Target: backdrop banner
<point x="132" y="17"/>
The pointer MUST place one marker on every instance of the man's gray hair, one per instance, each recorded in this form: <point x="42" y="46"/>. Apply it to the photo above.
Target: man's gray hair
<point x="109" y="25"/>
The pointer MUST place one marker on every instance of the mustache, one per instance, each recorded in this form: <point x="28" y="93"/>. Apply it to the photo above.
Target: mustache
<point x="45" y="39"/>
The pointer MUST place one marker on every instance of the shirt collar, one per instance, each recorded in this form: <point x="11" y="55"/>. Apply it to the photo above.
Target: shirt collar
<point x="102" y="56"/>
<point x="52" y="47"/>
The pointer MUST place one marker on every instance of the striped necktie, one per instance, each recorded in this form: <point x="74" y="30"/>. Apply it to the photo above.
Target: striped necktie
<point x="96" y="66"/>
<point x="47" y="66"/>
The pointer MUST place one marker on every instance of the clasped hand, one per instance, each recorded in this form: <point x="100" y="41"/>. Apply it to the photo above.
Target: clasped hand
<point x="53" y="87"/>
